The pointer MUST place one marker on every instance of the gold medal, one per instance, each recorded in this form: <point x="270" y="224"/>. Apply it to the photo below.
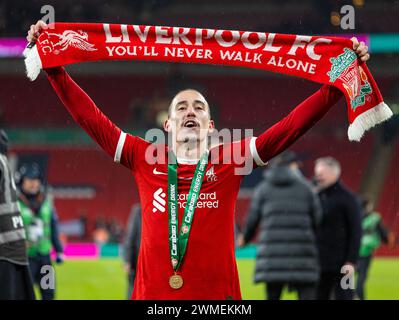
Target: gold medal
<point x="176" y="281"/>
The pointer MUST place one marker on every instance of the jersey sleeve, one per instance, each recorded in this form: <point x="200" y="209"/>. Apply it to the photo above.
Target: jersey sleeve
<point x="130" y="150"/>
<point x="119" y="145"/>
<point x="285" y="132"/>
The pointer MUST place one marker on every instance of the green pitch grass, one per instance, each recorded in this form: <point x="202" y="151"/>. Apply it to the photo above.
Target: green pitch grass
<point x="105" y="279"/>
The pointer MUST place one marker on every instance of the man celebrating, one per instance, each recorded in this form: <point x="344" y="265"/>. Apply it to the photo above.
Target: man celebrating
<point x="188" y="191"/>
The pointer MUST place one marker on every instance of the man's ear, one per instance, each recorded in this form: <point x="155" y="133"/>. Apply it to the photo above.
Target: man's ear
<point x="166" y="125"/>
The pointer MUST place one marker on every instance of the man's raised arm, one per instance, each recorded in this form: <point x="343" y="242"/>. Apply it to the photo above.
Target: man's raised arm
<point x="85" y="112"/>
<point x="284" y="133"/>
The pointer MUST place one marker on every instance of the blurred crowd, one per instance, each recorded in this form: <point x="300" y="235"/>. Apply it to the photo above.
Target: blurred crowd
<point x="110" y="231"/>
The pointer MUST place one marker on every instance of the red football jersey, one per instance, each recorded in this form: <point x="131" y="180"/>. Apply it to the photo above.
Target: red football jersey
<point x="209" y="268"/>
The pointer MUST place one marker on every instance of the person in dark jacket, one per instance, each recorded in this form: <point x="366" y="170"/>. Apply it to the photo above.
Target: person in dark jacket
<point x="15" y="279"/>
<point x="374" y="232"/>
<point x="41" y="226"/>
<point x="338" y="237"/>
<point x="288" y="212"/>
<point x="132" y="246"/>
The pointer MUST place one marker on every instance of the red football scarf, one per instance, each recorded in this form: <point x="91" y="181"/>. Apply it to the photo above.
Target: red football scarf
<point x="327" y="60"/>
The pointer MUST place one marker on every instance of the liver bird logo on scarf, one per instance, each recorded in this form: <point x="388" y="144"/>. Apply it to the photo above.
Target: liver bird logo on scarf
<point x="77" y="39"/>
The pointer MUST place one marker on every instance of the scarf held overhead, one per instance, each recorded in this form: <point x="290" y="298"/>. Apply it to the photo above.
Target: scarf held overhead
<point x="323" y="59"/>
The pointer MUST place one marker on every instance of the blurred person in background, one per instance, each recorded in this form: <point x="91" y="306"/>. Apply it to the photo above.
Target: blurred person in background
<point x="101" y="233"/>
<point x="41" y="224"/>
<point x="115" y="231"/>
<point x="338" y="237"/>
<point x="132" y="246"/>
<point x="83" y="223"/>
<point x="288" y="211"/>
<point x="373" y="233"/>
<point x="15" y="278"/>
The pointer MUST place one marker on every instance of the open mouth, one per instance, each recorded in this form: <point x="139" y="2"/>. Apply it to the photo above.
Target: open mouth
<point x="190" y="123"/>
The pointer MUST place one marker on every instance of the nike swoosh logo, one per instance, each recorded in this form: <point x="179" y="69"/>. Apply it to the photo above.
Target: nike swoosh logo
<point x="155" y="171"/>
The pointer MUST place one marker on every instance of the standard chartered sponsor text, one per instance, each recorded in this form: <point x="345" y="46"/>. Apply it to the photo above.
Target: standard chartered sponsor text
<point x="205" y="200"/>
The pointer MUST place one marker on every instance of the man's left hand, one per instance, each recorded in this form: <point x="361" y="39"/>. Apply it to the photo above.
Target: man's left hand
<point x="361" y="49"/>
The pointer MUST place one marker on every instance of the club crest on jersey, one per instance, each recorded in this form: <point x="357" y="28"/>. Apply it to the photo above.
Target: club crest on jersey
<point x="159" y="201"/>
<point x="210" y="175"/>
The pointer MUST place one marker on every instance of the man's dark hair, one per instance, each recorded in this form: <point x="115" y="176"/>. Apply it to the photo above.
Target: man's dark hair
<point x="188" y="89"/>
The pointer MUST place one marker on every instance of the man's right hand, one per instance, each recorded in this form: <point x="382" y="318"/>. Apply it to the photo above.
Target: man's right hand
<point x="35" y="30"/>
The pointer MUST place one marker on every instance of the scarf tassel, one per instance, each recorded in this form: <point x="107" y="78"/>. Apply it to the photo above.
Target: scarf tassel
<point x="367" y="120"/>
<point x="33" y="63"/>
